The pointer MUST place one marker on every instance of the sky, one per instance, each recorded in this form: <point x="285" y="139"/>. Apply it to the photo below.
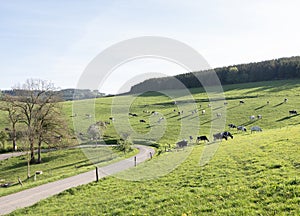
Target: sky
<point x="56" y="40"/>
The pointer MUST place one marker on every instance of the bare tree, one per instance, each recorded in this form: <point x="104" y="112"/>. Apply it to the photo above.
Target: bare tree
<point x="34" y="100"/>
<point x="14" y="117"/>
<point x="51" y="127"/>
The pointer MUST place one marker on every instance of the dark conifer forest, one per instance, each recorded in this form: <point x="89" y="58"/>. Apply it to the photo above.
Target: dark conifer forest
<point x="276" y="69"/>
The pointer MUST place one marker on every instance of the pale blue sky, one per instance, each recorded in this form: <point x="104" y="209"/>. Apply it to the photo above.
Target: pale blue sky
<point x="55" y="40"/>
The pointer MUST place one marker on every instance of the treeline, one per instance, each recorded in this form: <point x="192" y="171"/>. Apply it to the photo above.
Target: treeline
<point x="68" y="94"/>
<point x="276" y="69"/>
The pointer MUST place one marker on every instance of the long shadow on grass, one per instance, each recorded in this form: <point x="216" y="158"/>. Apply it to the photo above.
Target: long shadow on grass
<point x="286" y="118"/>
<point x="218" y="108"/>
<point x="258" y="108"/>
<point x="24" y="163"/>
<point x="277" y="105"/>
<point x="209" y="121"/>
<point x="233" y="107"/>
<point x="184" y="117"/>
<point x="70" y="164"/>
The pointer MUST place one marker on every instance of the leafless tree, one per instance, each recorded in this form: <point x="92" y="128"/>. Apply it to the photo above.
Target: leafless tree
<point x="35" y="101"/>
<point x="13" y="116"/>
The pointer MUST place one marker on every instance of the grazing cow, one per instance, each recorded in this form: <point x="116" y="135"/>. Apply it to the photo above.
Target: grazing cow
<point x="219" y="115"/>
<point x="256" y="128"/>
<point x="182" y="144"/>
<point x="242" y="102"/>
<point x="241" y="128"/>
<point x="174" y="110"/>
<point x="223" y="135"/>
<point x="203" y="112"/>
<point x="252" y="117"/>
<point x="111" y="118"/>
<point x="160" y="119"/>
<point x="285" y="100"/>
<point x="179" y="113"/>
<point x="200" y="138"/>
<point x="134" y="115"/>
<point x="88" y="115"/>
<point x="142" y="121"/>
<point x="231" y="126"/>
<point x="191" y="138"/>
<point x="268" y="102"/>
<point x="259" y="116"/>
<point x="293" y="112"/>
<point x="194" y="111"/>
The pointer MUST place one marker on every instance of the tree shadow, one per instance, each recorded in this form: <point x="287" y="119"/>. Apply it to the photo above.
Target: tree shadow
<point x="73" y="164"/>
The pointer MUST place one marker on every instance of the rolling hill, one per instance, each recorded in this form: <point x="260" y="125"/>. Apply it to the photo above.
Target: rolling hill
<point x="251" y="174"/>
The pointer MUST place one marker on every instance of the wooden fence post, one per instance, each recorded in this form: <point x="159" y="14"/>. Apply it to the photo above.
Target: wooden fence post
<point x="97" y="175"/>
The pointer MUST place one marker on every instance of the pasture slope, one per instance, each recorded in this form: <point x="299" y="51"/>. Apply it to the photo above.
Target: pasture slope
<point x="252" y="174"/>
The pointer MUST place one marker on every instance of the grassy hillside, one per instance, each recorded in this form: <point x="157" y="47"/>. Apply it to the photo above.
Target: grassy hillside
<point x="255" y="95"/>
<point x="255" y="174"/>
<point x="252" y="174"/>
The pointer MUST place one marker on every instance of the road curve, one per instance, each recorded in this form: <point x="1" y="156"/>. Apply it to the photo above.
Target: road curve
<point x="31" y="196"/>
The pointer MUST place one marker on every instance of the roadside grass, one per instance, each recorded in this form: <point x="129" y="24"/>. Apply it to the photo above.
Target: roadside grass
<point x="253" y="174"/>
<point x="55" y="165"/>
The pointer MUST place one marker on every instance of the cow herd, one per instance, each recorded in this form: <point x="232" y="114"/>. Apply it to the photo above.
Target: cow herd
<point x="225" y="135"/>
<point x="217" y="136"/>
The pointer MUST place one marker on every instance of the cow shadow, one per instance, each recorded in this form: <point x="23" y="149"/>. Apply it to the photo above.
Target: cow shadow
<point x="233" y="107"/>
<point x="258" y="108"/>
<point x="286" y="118"/>
<point x="218" y="108"/>
<point x="209" y="121"/>
<point x="277" y="105"/>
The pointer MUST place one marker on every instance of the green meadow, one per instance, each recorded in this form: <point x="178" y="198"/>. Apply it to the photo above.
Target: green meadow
<point x="251" y="174"/>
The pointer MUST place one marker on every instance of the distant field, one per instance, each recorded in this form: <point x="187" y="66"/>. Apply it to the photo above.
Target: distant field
<point x="252" y="174"/>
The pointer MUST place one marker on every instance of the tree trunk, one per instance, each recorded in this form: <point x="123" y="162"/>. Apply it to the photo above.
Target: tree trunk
<point x="39" y="160"/>
<point x="31" y="141"/>
<point x="14" y="139"/>
<point x="28" y="165"/>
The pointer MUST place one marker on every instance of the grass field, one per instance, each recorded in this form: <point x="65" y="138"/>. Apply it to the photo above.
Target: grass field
<point x="56" y="165"/>
<point x="249" y="175"/>
<point x="252" y="174"/>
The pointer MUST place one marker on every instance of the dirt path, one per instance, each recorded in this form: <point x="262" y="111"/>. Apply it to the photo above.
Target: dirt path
<point x="11" y="154"/>
<point x="31" y="196"/>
